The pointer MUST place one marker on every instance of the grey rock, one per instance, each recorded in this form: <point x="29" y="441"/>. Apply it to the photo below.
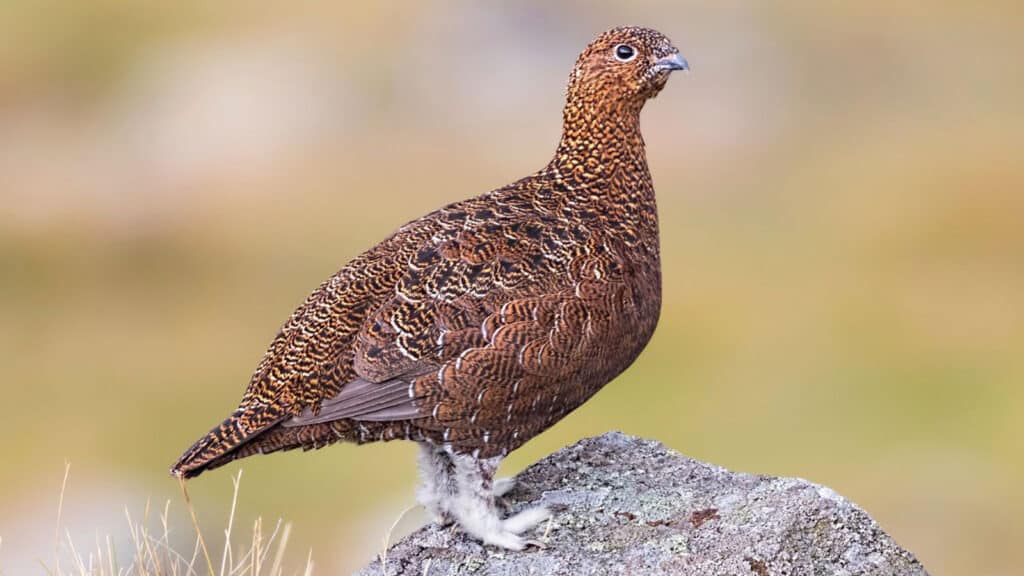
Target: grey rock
<point x="625" y="505"/>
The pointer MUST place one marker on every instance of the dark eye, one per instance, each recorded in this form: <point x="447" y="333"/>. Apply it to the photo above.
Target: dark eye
<point x="625" y="52"/>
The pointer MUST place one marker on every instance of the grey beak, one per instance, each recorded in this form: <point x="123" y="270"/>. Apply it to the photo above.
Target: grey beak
<point x="672" y="62"/>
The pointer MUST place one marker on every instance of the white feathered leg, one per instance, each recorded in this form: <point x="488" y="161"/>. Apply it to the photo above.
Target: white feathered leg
<point x="437" y="483"/>
<point x="473" y="506"/>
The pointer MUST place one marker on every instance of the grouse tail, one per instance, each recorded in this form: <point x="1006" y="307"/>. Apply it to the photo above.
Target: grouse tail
<point x="214" y="449"/>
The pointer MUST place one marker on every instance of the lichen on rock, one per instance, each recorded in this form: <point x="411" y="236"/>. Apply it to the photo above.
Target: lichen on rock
<point x="625" y="505"/>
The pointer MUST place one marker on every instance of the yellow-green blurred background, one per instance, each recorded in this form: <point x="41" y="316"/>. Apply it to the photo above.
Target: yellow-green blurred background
<point x="841" y="188"/>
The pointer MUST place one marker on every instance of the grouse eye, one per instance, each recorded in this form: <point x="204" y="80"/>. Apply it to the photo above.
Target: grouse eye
<point x="625" y="52"/>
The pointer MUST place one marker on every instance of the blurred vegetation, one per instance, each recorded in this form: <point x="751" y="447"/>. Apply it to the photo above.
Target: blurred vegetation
<point x="840" y="188"/>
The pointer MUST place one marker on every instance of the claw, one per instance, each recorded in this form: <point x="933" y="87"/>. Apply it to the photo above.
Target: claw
<point x="536" y="543"/>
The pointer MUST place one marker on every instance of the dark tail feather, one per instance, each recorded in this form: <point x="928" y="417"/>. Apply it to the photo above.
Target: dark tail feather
<point x="214" y="449"/>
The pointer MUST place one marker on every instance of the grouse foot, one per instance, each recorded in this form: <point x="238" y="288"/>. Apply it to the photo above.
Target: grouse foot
<point x="479" y="519"/>
<point x="473" y="505"/>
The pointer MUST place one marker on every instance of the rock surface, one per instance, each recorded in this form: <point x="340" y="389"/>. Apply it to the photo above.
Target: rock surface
<point x="625" y="505"/>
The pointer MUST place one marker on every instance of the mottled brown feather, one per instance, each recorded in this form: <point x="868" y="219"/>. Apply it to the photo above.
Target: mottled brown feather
<point x="496" y="316"/>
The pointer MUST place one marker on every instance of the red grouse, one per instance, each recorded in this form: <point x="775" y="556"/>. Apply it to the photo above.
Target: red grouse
<point x="478" y="326"/>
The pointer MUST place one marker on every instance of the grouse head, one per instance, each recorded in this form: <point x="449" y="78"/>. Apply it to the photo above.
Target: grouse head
<point x="624" y="66"/>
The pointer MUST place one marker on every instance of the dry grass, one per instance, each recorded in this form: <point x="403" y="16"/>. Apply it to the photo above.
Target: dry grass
<point x="386" y="540"/>
<point x="152" y="553"/>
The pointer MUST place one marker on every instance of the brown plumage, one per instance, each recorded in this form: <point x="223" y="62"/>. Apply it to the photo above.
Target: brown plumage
<point x="479" y="325"/>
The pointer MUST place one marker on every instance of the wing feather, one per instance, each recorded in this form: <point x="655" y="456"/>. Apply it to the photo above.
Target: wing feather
<point x="362" y="400"/>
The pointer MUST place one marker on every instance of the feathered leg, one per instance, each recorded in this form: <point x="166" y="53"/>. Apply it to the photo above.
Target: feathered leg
<point x="437" y="482"/>
<point x="474" y="508"/>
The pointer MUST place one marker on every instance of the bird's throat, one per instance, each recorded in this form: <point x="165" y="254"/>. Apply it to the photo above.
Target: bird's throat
<point x="599" y="139"/>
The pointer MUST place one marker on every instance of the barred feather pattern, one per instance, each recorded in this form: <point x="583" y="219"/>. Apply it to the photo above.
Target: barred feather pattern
<point x="490" y="319"/>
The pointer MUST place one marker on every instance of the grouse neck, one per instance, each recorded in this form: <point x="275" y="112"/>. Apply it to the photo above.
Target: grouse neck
<point x="599" y="139"/>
